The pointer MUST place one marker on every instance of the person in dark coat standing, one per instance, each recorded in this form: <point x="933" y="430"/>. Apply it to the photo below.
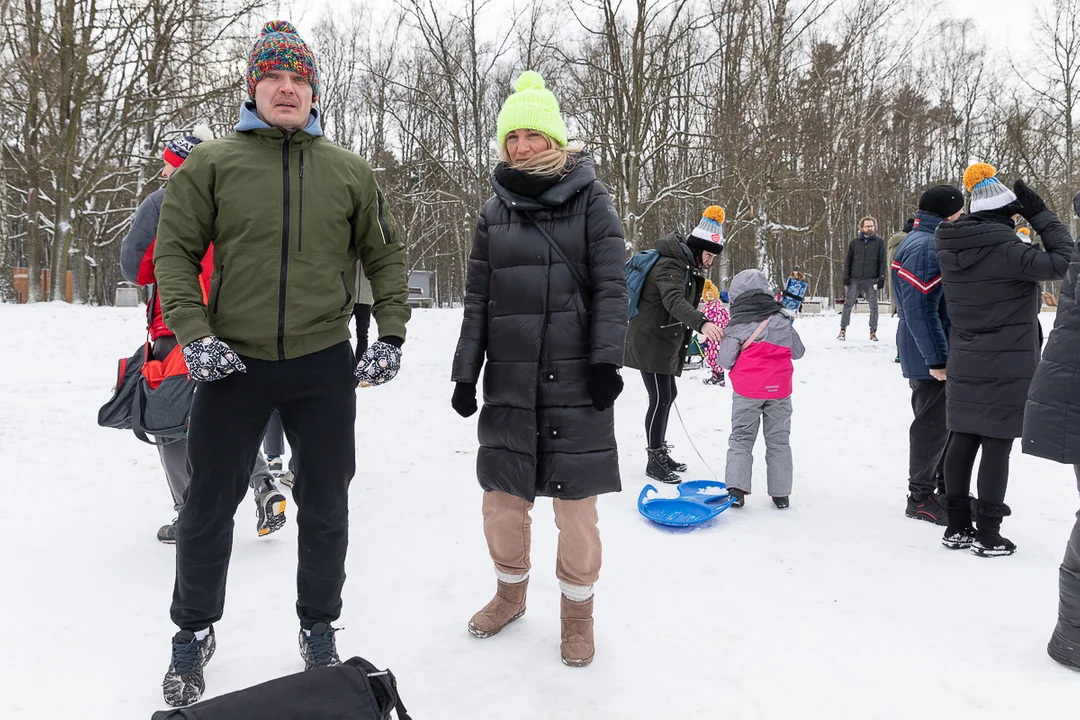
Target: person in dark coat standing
<point x="546" y="307"/>
<point x="1051" y="416"/>
<point x="991" y="281"/>
<point x="865" y="267"/>
<point x="668" y="315"/>
<point x="922" y="339"/>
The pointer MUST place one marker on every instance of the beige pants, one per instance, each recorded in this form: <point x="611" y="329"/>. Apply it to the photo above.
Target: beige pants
<point x="508" y="529"/>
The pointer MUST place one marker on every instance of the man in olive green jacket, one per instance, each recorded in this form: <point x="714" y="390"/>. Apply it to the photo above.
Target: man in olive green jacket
<point x="289" y="215"/>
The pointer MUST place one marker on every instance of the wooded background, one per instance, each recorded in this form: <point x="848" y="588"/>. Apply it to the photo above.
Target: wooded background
<point x="798" y="116"/>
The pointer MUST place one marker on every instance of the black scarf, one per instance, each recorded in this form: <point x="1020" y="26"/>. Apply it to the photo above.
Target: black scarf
<point x="753" y="307"/>
<point x="526" y="184"/>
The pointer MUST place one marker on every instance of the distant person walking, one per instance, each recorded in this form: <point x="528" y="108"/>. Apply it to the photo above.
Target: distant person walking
<point x="865" y="267"/>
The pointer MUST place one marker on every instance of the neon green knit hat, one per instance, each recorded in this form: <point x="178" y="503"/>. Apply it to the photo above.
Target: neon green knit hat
<point x="532" y="107"/>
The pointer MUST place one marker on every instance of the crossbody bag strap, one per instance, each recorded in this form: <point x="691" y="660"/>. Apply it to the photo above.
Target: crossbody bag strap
<point x="760" y="329"/>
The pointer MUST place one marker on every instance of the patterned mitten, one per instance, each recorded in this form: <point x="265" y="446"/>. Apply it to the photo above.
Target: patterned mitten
<point x="211" y="359"/>
<point x="379" y="365"/>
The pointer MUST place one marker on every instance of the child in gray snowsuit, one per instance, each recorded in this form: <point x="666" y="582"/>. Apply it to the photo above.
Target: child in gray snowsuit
<point x="758" y="347"/>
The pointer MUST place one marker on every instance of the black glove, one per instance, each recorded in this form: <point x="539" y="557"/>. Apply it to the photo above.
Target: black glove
<point x="1030" y="202"/>
<point x="210" y="359"/>
<point x="464" y="400"/>
<point x="605" y="384"/>
<point x="380" y="363"/>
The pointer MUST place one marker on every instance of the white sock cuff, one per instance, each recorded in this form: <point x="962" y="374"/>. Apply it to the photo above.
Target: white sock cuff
<point x="201" y="635"/>
<point x="510" y="579"/>
<point x="576" y="593"/>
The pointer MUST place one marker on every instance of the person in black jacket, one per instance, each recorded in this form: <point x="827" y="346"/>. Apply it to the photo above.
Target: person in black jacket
<point x="991" y="281"/>
<point x="668" y="315"/>
<point x="865" y="267"/>
<point x="546" y="308"/>
<point x="1051" y="416"/>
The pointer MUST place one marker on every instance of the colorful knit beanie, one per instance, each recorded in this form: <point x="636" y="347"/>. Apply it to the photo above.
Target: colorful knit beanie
<point x="280" y="47"/>
<point x="709" y="233"/>
<point x="177" y="151"/>
<point x="987" y="192"/>
<point x="1024" y="234"/>
<point x="531" y="107"/>
<point x="710" y="293"/>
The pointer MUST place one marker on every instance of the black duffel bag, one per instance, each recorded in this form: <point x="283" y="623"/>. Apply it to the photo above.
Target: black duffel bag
<point x="117" y="412"/>
<point x="354" y="690"/>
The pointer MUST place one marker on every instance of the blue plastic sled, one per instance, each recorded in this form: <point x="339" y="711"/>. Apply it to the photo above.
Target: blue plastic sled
<point x="695" y="504"/>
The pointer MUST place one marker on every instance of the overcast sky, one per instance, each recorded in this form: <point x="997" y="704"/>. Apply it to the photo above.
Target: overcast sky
<point x="1006" y="24"/>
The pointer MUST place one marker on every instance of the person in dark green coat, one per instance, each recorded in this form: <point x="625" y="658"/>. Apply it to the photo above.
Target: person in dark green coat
<point x="658" y="336"/>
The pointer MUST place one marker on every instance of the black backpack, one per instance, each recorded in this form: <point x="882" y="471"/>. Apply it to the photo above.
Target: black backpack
<point x="354" y="690"/>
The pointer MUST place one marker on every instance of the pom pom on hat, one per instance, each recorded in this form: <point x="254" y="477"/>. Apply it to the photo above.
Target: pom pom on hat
<point x="202" y="132"/>
<point x="280" y="47"/>
<point x="714" y="212"/>
<point x="977" y="173"/>
<point x="1024" y="230"/>
<point x="531" y="107"/>
<point x="987" y="192"/>
<point x="1024" y="234"/>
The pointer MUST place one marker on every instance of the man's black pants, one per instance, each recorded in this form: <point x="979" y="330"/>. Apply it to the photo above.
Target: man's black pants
<point x="315" y="396"/>
<point x="928" y="437"/>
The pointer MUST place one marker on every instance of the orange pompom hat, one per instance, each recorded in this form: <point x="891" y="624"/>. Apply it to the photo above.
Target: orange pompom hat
<point x="709" y="233"/>
<point x="987" y="192"/>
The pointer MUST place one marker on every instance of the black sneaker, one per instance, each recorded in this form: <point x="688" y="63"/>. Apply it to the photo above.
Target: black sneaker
<point x="991" y="544"/>
<point x="781" y="503"/>
<point x="269" y="509"/>
<point x="739" y="495"/>
<point x="672" y="464"/>
<point x="319" y="649"/>
<point x="167" y="533"/>
<point x="958" y="538"/>
<point x="658" y="469"/>
<point x="183" y="683"/>
<point x="928" y="508"/>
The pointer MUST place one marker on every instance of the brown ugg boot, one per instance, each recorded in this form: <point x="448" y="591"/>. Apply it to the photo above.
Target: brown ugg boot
<point x="507" y="605"/>
<point x="577" y="632"/>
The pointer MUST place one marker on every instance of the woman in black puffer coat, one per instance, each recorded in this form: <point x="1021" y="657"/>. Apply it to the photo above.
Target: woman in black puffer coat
<point x="1052" y="431"/>
<point x="991" y="280"/>
<point x="546" y="307"/>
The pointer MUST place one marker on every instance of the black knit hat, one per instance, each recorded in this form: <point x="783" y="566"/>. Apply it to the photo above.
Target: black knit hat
<point x="702" y="245"/>
<point x="942" y="200"/>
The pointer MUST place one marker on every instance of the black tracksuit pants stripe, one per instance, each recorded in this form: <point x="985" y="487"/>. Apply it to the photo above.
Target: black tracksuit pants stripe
<point x="927" y="438"/>
<point x="315" y="396"/>
<point x="662" y="392"/>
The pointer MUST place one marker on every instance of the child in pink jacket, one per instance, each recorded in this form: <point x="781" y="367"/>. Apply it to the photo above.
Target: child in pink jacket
<point x="713" y="308"/>
<point x="758" y="347"/>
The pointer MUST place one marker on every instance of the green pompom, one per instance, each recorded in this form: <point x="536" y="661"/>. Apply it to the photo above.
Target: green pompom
<point x="530" y="80"/>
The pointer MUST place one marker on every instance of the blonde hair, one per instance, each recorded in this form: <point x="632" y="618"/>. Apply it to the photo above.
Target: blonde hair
<point x="550" y="162"/>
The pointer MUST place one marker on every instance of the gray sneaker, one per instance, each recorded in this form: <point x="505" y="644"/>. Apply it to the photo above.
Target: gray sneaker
<point x="269" y="509"/>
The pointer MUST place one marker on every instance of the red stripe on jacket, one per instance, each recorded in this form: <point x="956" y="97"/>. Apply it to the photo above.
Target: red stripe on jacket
<point x="919" y="285"/>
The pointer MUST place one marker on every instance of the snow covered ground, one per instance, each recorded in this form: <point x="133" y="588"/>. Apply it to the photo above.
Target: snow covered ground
<point x="838" y="608"/>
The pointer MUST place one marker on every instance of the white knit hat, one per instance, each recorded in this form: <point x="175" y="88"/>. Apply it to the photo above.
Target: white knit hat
<point x="987" y="192"/>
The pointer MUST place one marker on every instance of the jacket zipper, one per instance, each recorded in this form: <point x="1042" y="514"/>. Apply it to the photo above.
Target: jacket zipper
<point x="300" y="234"/>
<point x="382" y="220"/>
<point x="348" y="295"/>
<point x="220" y="282"/>
<point x="284" y="275"/>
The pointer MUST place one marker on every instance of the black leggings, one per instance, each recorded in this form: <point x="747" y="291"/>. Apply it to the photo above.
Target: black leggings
<point x="662" y="392"/>
<point x="993" y="468"/>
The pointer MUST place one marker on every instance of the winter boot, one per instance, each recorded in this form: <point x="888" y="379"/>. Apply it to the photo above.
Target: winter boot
<point x="716" y="379"/>
<point x="988" y="540"/>
<point x="183" y="683"/>
<point x="319" y="649"/>
<point x="167" y="533"/>
<point x="507" y="606"/>
<point x="926" y="507"/>
<point x="269" y="509"/>
<point x="873" y="336"/>
<point x="658" y="469"/>
<point x="577" y="632"/>
<point x="842" y="336"/>
<point x="781" y="503"/>
<point x="277" y="469"/>
<point x="1065" y="652"/>
<point x="672" y="464"/>
<point x="959" y="535"/>
<point x="739" y="495"/>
